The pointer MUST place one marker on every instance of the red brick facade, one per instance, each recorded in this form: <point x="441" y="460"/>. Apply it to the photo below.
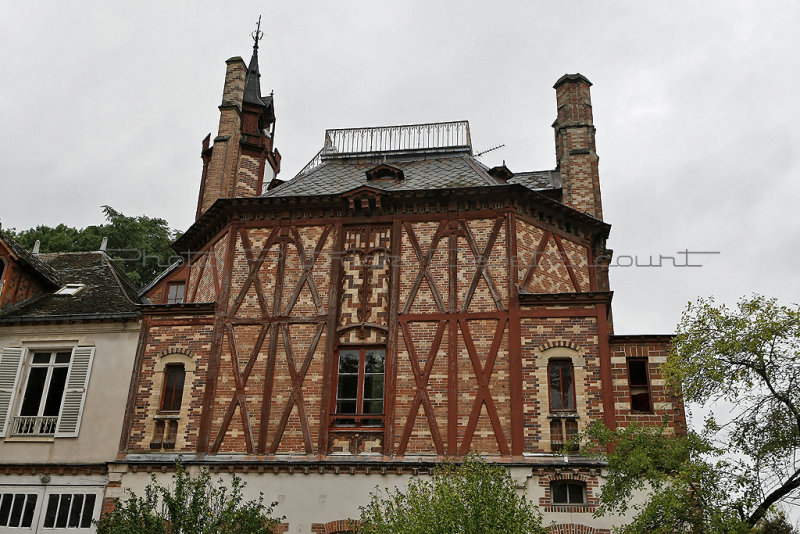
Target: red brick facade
<point x="472" y="294"/>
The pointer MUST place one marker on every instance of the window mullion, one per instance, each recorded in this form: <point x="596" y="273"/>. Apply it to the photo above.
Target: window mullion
<point x="46" y="388"/>
<point x="360" y="396"/>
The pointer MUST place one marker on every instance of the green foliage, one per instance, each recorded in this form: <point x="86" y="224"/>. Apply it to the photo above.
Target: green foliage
<point x="141" y="245"/>
<point x="730" y="477"/>
<point x="190" y="506"/>
<point x="775" y="522"/>
<point x="472" y="498"/>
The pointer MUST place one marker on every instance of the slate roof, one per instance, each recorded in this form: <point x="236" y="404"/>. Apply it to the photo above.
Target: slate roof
<point x="27" y="258"/>
<point x="107" y="293"/>
<point x="336" y="176"/>
<point x="537" y="180"/>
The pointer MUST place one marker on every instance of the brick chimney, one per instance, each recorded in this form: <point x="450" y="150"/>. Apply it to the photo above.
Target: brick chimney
<point x="242" y="157"/>
<point x="575" y="148"/>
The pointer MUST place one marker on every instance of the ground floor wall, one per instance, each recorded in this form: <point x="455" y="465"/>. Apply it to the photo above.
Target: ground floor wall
<point x="50" y="502"/>
<point x="316" y="500"/>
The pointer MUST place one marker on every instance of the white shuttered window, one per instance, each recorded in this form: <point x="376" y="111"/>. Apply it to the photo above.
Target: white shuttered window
<point x="10" y="364"/>
<point x="48" y="400"/>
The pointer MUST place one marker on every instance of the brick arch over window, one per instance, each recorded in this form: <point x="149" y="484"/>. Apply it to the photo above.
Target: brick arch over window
<point x="572" y="528"/>
<point x="560" y="343"/>
<point x="560" y="349"/>
<point x="590" y="479"/>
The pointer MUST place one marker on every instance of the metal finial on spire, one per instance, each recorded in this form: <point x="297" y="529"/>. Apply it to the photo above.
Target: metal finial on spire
<point x="258" y="34"/>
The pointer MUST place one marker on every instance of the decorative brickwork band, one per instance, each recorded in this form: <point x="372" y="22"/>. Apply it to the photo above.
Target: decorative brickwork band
<point x="572" y="528"/>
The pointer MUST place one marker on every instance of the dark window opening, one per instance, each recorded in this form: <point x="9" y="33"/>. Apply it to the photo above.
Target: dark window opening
<point x="562" y="386"/>
<point x="640" y="386"/>
<point x="70" y="510"/>
<point x="16" y="509"/>
<point x="175" y="292"/>
<point x="359" y="387"/>
<point x="567" y="492"/>
<point x="45" y="387"/>
<point x="174" y="377"/>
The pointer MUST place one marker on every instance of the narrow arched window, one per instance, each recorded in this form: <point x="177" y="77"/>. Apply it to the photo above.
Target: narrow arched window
<point x="174" y="376"/>
<point x="562" y="386"/>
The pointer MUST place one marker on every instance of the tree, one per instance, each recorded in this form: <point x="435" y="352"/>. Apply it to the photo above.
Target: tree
<point x="190" y="506"/>
<point x="141" y="246"/>
<point x="731" y="476"/>
<point x="472" y="498"/>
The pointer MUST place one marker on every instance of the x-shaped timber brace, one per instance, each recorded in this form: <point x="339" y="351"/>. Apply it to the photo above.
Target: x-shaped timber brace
<point x="275" y="323"/>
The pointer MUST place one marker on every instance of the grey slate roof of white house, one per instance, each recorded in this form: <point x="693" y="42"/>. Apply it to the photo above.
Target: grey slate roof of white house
<point x="106" y="292"/>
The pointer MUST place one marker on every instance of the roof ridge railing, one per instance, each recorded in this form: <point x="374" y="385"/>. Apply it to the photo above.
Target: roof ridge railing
<point x="404" y="138"/>
<point x="428" y="137"/>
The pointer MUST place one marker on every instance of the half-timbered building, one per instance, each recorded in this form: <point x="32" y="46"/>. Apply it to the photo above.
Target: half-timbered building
<point x="395" y="304"/>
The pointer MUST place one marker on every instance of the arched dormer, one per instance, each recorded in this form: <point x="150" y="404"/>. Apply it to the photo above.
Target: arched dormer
<point x="385" y="171"/>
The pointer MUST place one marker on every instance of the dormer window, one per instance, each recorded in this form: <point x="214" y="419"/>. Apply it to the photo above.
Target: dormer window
<point x="175" y="292"/>
<point x="384" y="172"/>
<point x="501" y="172"/>
<point x="70" y="289"/>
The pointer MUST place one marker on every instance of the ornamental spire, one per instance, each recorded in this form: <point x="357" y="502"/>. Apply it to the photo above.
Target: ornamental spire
<point x="252" y="84"/>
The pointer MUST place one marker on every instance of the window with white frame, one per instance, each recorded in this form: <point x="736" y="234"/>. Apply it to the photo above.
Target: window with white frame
<point x="58" y="509"/>
<point x="42" y="392"/>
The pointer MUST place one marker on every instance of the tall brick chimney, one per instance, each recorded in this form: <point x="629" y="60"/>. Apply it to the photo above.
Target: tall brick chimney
<point x="242" y="157"/>
<point x="575" y="147"/>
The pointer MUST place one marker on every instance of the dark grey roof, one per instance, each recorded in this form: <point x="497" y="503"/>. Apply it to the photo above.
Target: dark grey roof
<point x="335" y="176"/>
<point x="107" y="293"/>
<point x="32" y="261"/>
<point x="252" y="83"/>
<point x="537" y="180"/>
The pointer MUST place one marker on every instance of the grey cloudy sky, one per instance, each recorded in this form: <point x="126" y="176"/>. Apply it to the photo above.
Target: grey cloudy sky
<point x="696" y="107"/>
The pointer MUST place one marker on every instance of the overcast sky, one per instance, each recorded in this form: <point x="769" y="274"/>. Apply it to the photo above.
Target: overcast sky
<point x="696" y="104"/>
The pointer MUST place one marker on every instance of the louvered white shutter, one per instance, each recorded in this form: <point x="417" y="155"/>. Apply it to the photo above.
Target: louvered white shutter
<point x="10" y="364"/>
<point x="80" y="366"/>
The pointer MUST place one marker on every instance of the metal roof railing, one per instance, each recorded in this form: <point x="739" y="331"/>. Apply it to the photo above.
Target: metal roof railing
<point x="359" y="142"/>
<point x="410" y="137"/>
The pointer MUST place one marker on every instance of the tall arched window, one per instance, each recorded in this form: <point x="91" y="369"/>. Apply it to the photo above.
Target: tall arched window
<point x="174" y="377"/>
<point x="562" y="386"/>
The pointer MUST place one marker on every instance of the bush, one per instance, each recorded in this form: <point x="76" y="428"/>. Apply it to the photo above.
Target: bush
<point x="472" y="498"/>
<point x="190" y="506"/>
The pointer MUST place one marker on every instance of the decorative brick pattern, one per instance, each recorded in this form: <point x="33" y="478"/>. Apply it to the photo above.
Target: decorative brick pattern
<point x="365" y="285"/>
<point x="572" y="528"/>
<point x="342" y="526"/>
<point x="655" y="352"/>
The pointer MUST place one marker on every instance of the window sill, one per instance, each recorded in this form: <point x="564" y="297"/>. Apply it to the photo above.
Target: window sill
<point x="571" y="508"/>
<point x="29" y="439"/>
<point x="563" y="415"/>
<point x="167" y="416"/>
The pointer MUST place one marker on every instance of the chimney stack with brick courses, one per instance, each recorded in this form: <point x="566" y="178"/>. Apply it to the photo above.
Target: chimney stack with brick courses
<point x="575" y="145"/>
<point x="220" y="161"/>
<point x="242" y="158"/>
